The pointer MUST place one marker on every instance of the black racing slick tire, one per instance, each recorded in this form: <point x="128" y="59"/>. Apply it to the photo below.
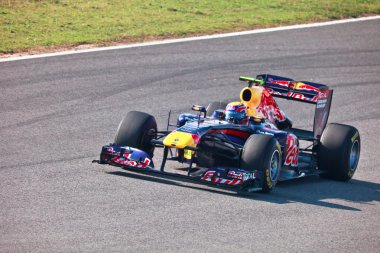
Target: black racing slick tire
<point x="262" y="153"/>
<point x="339" y="152"/>
<point x="215" y="106"/>
<point x="136" y="130"/>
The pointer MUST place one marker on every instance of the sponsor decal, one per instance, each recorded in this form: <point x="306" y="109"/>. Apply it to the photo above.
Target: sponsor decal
<point x="233" y="174"/>
<point x="248" y="176"/>
<point x="282" y="83"/>
<point x="297" y="95"/>
<point x="241" y="175"/>
<point x="262" y="132"/>
<point x="127" y="155"/>
<point x="208" y="174"/>
<point x="212" y="176"/>
<point x="268" y="107"/>
<point x="322" y="94"/>
<point x="321" y="103"/>
<point x="292" y="150"/>
<point x="126" y="160"/>
<point x="303" y="86"/>
<point x="302" y="97"/>
<point x="140" y="164"/>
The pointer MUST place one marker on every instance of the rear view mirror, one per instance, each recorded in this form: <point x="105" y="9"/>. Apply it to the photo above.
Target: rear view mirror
<point x="198" y="108"/>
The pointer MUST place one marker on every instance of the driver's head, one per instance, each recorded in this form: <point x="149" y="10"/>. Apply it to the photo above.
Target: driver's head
<point x="236" y="112"/>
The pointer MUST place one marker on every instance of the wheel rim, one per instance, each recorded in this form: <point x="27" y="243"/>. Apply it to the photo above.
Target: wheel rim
<point x="274" y="165"/>
<point x="354" y="155"/>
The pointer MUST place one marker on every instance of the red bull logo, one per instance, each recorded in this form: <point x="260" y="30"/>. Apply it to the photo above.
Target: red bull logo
<point x="303" y="86"/>
<point x="270" y="110"/>
<point x="236" y="175"/>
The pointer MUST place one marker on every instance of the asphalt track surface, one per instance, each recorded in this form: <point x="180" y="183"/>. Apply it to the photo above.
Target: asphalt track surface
<point x="57" y="112"/>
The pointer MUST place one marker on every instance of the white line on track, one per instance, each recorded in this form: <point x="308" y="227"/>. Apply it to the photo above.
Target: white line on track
<point x="206" y="37"/>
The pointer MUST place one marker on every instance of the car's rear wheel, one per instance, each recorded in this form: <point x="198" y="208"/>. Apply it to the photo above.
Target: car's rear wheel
<point x="136" y="130"/>
<point x="339" y="152"/>
<point x="219" y="105"/>
<point x="262" y="153"/>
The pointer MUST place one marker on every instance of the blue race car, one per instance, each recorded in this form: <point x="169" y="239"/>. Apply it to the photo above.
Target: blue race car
<point x="249" y="144"/>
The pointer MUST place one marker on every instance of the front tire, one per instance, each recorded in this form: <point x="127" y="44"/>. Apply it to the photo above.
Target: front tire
<point x="136" y="130"/>
<point x="262" y="153"/>
<point x="339" y="152"/>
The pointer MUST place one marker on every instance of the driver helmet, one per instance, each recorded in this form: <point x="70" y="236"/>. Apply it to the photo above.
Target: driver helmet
<point x="235" y="112"/>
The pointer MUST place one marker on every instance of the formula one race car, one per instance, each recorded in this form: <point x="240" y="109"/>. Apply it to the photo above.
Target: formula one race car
<point x="249" y="144"/>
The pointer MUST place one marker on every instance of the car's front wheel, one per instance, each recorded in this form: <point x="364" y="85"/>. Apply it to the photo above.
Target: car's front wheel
<point x="136" y="130"/>
<point x="262" y="153"/>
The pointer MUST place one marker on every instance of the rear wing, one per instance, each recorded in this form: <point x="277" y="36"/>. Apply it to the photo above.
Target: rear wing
<point x="302" y="91"/>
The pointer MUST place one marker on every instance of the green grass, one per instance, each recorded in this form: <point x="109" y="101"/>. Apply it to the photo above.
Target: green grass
<point x="44" y="24"/>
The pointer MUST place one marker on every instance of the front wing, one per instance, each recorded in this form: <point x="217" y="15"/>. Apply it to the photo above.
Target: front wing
<point x="137" y="160"/>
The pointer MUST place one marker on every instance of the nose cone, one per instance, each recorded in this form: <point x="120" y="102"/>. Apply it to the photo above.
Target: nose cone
<point x="179" y="140"/>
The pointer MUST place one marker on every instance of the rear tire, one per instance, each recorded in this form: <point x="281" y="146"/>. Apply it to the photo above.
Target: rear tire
<point x="339" y="152"/>
<point x="262" y="153"/>
<point x="215" y="106"/>
<point x="136" y="130"/>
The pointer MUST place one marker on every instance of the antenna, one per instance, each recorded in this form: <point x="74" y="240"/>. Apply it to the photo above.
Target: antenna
<point x="167" y="126"/>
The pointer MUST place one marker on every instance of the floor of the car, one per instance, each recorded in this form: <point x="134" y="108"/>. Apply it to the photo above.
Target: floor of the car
<point x="302" y="134"/>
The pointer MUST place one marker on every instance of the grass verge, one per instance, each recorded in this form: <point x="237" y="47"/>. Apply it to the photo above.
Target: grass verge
<point x="40" y="24"/>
